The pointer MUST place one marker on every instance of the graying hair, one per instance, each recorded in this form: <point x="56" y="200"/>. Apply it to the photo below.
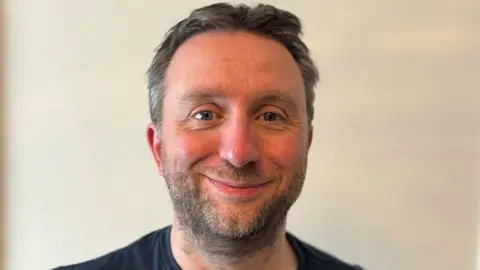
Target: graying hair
<point x="266" y="20"/>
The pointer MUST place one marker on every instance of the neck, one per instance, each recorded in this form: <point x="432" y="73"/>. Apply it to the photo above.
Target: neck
<point x="194" y="252"/>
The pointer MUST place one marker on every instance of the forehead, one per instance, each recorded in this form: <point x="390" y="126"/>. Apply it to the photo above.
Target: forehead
<point x="235" y="63"/>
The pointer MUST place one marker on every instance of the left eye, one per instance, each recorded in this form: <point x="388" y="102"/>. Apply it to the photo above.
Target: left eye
<point x="270" y="116"/>
<point x="206" y="115"/>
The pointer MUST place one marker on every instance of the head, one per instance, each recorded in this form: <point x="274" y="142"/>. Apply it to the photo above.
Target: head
<point x="231" y="93"/>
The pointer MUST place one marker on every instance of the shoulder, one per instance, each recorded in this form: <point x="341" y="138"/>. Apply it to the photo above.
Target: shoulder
<point x="140" y="252"/>
<point x="311" y="257"/>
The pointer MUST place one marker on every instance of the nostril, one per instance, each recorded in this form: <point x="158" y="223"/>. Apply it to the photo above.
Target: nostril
<point x="238" y="143"/>
<point x="239" y="156"/>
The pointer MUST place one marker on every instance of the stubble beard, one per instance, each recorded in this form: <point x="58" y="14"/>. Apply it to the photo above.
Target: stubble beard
<point x="230" y="236"/>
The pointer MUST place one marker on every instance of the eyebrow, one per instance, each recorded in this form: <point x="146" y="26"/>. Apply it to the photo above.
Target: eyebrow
<point x="208" y="95"/>
<point x="199" y="96"/>
<point x="277" y="97"/>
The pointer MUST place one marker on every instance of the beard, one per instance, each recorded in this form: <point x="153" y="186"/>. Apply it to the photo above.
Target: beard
<point x="241" y="230"/>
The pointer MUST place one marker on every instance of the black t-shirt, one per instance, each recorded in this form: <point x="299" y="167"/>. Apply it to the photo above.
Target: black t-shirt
<point x="153" y="252"/>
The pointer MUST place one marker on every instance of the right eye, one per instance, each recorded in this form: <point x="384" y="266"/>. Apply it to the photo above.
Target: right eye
<point x="206" y="115"/>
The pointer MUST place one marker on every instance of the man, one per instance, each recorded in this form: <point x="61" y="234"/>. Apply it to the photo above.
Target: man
<point x="231" y="93"/>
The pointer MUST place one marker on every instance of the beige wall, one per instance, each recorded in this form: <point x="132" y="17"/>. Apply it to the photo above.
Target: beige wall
<point x="2" y="132"/>
<point x="478" y="224"/>
<point x="391" y="182"/>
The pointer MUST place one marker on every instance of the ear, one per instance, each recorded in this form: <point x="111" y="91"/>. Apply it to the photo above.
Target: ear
<point x="310" y="137"/>
<point x="155" y="145"/>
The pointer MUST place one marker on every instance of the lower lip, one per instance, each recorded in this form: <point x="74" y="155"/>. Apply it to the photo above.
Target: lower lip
<point x="240" y="193"/>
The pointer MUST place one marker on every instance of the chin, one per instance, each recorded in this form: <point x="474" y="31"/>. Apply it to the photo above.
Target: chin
<point x="239" y="220"/>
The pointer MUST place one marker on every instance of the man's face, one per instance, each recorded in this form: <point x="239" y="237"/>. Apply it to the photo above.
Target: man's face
<point x="234" y="137"/>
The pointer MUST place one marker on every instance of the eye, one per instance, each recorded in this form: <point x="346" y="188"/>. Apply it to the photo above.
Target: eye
<point x="270" y="116"/>
<point x="205" y="115"/>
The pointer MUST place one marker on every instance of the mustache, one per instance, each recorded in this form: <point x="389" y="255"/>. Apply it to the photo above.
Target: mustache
<point x="248" y="172"/>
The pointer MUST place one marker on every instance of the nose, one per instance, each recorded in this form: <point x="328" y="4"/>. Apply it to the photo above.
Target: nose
<point x="239" y="144"/>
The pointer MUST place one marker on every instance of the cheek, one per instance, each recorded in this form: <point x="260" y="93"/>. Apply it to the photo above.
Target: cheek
<point x="285" y="151"/>
<point x="190" y="147"/>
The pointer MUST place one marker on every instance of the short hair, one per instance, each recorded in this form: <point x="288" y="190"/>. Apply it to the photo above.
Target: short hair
<point x="265" y="20"/>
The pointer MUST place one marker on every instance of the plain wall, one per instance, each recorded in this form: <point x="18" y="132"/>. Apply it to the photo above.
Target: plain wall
<point x="391" y="182"/>
<point x="2" y="141"/>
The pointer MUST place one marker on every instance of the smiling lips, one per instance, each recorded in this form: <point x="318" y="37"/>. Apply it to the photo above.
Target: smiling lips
<point x="237" y="189"/>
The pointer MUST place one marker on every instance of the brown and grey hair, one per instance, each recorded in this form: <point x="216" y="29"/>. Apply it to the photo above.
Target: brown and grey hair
<point x="266" y="20"/>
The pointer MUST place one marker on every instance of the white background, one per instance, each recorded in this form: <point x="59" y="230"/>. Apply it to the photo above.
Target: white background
<point x="391" y="183"/>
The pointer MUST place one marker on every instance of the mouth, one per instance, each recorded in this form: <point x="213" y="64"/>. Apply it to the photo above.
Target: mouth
<point x="238" y="190"/>
<point x="239" y="185"/>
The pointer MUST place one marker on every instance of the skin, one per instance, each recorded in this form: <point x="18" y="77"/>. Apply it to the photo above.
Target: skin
<point x="234" y="110"/>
